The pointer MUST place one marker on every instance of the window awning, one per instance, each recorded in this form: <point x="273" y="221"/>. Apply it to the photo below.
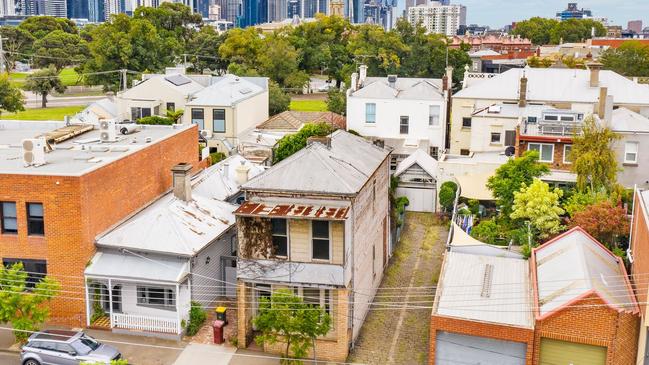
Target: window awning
<point x="116" y="265"/>
<point x="289" y="210"/>
<point x="474" y="186"/>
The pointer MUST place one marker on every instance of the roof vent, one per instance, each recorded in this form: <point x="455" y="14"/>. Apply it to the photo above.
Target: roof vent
<point x="392" y="80"/>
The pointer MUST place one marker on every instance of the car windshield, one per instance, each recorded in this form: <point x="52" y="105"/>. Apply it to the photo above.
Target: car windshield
<point x="85" y="344"/>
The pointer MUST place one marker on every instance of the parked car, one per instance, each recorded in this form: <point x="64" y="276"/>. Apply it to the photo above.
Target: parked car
<point x="66" y="348"/>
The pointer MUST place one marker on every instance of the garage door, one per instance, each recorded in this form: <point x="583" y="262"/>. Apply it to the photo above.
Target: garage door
<point x="453" y="348"/>
<point x="555" y="352"/>
<point x="421" y="200"/>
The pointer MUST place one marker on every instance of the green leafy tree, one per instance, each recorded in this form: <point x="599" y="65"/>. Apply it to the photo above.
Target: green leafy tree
<point x="285" y="318"/>
<point x="59" y="49"/>
<point x="241" y="46"/>
<point x="378" y="49"/>
<point x="550" y="31"/>
<point x="337" y="101"/>
<point x="278" y="100"/>
<point x="44" y="82"/>
<point x="40" y="26"/>
<point x="292" y="143"/>
<point x="447" y="193"/>
<point x="630" y="59"/>
<point x="278" y="60"/>
<point x="173" y="21"/>
<point x="17" y="44"/>
<point x="580" y="201"/>
<point x="11" y="99"/>
<point x="487" y="231"/>
<point x="594" y="160"/>
<point x="539" y="205"/>
<point x="202" y="49"/>
<point x="175" y="115"/>
<point x="605" y="221"/>
<point x="510" y="177"/>
<point x="25" y="308"/>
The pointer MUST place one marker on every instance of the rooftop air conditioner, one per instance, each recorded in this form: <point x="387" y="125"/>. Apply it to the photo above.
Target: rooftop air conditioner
<point x="107" y="131"/>
<point x="34" y="151"/>
<point x="206" y="133"/>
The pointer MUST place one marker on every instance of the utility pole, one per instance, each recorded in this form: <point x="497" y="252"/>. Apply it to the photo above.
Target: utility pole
<point x="124" y="80"/>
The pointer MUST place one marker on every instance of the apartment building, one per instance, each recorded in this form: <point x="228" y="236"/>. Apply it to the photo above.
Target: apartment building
<point x="317" y="222"/>
<point x="62" y="186"/>
<point x="438" y="18"/>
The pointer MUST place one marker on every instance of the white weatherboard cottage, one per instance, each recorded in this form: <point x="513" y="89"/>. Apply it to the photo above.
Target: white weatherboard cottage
<point x="180" y="248"/>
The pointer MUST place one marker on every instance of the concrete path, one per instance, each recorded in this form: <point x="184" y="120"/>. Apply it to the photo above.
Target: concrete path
<point x="400" y="336"/>
<point x="200" y="354"/>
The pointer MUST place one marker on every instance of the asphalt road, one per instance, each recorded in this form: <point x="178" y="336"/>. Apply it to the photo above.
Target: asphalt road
<point x="9" y="359"/>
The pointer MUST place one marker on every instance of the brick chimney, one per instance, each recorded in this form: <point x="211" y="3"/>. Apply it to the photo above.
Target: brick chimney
<point x="181" y="181"/>
<point x="522" y="92"/>
<point x="594" y="68"/>
<point x="601" y="105"/>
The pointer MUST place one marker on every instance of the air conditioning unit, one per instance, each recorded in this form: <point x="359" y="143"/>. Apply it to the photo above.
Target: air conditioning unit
<point x="107" y="131"/>
<point x="206" y="133"/>
<point x="34" y="151"/>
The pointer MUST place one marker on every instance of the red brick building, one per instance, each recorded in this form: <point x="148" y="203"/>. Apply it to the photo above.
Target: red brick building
<point x="51" y="213"/>
<point x="500" y="44"/>
<point x="639" y="256"/>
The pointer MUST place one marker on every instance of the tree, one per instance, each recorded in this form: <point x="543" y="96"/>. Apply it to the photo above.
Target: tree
<point x="17" y="44"/>
<point x="447" y="193"/>
<point x="291" y="143"/>
<point x="487" y="231"/>
<point x="203" y="47"/>
<point x="278" y="100"/>
<point x="278" y="60"/>
<point x="594" y="160"/>
<point x="510" y="177"/>
<point x="286" y="318"/>
<point x="550" y="31"/>
<point x="241" y="46"/>
<point x="175" y="115"/>
<point x="40" y="26"/>
<point x="605" y="221"/>
<point x="59" y="49"/>
<point x="376" y="48"/>
<point x="44" y="82"/>
<point x="11" y="99"/>
<point x="580" y="201"/>
<point x="172" y="21"/>
<point x="22" y="306"/>
<point x="539" y="205"/>
<point x="630" y="59"/>
<point x="337" y="101"/>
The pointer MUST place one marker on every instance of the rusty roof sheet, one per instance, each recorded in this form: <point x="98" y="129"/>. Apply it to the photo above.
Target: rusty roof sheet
<point x="292" y="210"/>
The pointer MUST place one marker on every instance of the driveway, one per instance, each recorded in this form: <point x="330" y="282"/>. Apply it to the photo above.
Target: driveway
<point x="400" y="336"/>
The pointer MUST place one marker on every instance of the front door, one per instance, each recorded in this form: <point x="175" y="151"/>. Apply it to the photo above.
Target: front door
<point x="117" y="298"/>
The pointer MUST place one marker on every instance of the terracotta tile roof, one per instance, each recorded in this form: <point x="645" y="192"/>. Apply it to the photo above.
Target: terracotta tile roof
<point x="291" y="120"/>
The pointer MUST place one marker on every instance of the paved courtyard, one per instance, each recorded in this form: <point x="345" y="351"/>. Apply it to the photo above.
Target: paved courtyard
<point x="400" y="335"/>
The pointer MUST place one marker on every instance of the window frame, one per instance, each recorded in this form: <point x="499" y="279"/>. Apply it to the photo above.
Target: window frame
<point x="565" y="147"/>
<point x="201" y="125"/>
<point x="171" y="106"/>
<point x="373" y="114"/>
<point x="401" y="124"/>
<point x="626" y="152"/>
<point x="31" y="267"/>
<point x="465" y="124"/>
<point x="499" y="141"/>
<point x="285" y="236"/>
<point x="529" y="148"/>
<point x="214" y="111"/>
<point x="168" y="297"/>
<point x="35" y="219"/>
<point x="434" y="119"/>
<point x="3" y="216"/>
<point x="320" y="239"/>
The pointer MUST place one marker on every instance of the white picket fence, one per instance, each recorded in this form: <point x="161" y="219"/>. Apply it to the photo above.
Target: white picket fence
<point x="145" y="323"/>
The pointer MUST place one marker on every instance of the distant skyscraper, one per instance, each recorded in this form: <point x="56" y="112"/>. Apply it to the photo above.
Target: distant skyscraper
<point x="573" y="12"/>
<point x="31" y="7"/>
<point x="7" y="7"/>
<point x="111" y="7"/>
<point x="635" y="26"/>
<point x="337" y="7"/>
<point x="437" y="18"/>
<point x="56" y="8"/>
<point x="96" y="12"/>
<point x="233" y="11"/>
<point x="294" y="8"/>
<point x="277" y="10"/>
<point x="77" y="9"/>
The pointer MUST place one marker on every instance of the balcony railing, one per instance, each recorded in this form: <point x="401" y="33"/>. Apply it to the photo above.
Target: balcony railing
<point x="551" y="128"/>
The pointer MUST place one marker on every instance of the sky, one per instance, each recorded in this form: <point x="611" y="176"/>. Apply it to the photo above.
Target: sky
<point x="497" y="13"/>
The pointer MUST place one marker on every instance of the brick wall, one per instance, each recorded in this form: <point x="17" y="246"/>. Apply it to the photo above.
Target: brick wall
<point x="77" y="209"/>
<point x="640" y="248"/>
<point x="558" y="153"/>
<point x="481" y="329"/>
<point x="592" y="324"/>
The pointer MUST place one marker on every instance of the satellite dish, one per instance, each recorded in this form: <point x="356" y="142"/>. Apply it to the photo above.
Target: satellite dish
<point x="510" y="151"/>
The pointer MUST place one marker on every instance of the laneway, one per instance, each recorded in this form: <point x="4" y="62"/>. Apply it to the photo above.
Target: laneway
<point x="400" y="335"/>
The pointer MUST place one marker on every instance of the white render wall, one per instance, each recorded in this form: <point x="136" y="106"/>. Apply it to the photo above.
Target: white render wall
<point x="207" y="277"/>
<point x="388" y="113"/>
<point x="129" y="301"/>
<point x="481" y="129"/>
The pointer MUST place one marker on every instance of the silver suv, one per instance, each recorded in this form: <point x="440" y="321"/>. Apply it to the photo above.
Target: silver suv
<point x="65" y="348"/>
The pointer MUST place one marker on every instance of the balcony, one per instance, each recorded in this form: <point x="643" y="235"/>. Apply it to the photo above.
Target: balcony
<point x="550" y="128"/>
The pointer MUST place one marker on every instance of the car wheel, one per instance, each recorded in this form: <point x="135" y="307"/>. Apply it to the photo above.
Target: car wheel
<point x="31" y="362"/>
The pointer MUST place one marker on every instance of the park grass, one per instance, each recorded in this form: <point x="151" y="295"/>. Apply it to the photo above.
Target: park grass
<point x="308" y="106"/>
<point x="68" y="77"/>
<point x="53" y="113"/>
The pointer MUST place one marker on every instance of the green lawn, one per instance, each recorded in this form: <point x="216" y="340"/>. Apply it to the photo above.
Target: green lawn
<point x="68" y="76"/>
<point x="53" y="113"/>
<point x="308" y="106"/>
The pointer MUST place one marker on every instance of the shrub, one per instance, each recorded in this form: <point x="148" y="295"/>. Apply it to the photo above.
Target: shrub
<point x="197" y="316"/>
<point x="486" y="231"/>
<point x="292" y="143"/>
<point x="447" y="195"/>
<point x="155" y="120"/>
<point x="401" y="204"/>
<point x="216" y="157"/>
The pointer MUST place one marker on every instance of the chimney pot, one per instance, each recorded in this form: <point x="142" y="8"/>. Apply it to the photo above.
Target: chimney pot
<point x="362" y="75"/>
<point x="181" y="181"/>
<point x="242" y="173"/>
<point x="594" y="68"/>
<point x="522" y="92"/>
<point x="354" y="81"/>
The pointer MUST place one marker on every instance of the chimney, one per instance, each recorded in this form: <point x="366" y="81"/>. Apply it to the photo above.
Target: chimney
<point x="362" y="70"/>
<point x="354" y="82"/>
<point x="226" y="170"/>
<point x="444" y="82"/>
<point x="594" y="68"/>
<point x="522" y="92"/>
<point x="242" y="173"/>
<point x="447" y="79"/>
<point x="324" y="140"/>
<point x="392" y="81"/>
<point x="601" y="104"/>
<point x="181" y="181"/>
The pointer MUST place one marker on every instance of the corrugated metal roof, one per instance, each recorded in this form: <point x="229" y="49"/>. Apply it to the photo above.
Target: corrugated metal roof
<point x="573" y="264"/>
<point x="292" y="211"/>
<point x="422" y="159"/>
<point x="485" y="288"/>
<point x="342" y="168"/>
<point x="117" y="265"/>
<point x="625" y="120"/>
<point x="228" y="91"/>
<point x="404" y="88"/>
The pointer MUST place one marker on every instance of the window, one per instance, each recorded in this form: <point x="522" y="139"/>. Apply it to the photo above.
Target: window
<point x="434" y="152"/>
<point x="370" y="113"/>
<point x="320" y="240"/>
<point x="546" y="151"/>
<point x="138" y="112"/>
<point x="280" y="237"/>
<point x="510" y="138"/>
<point x="35" y="269"/>
<point x="157" y="297"/>
<point x="631" y="152"/>
<point x="495" y="137"/>
<point x="567" y="154"/>
<point x="198" y="117"/>
<point x="35" y="224"/>
<point x="403" y="125"/>
<point x="466" y="122"/>
<point x="8" y="217"/>
<point x="551" y="117"/>
<point x="318" y="298"/>
<point x="433" y="115"/>
<point x="465" y="152"/>
<point x="218" y="120"/>
<point x="171" y="107"/>
<point x="233" y="245"/>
